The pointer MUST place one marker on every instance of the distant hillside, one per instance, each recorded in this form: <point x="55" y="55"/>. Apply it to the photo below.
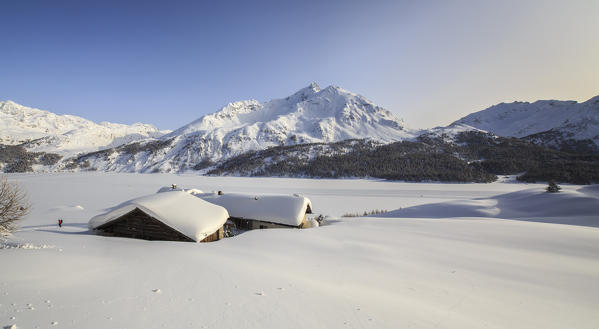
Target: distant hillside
<point x="561" y="124"/>
<point x="468" y="156"/>
<point x="43" y="131"/>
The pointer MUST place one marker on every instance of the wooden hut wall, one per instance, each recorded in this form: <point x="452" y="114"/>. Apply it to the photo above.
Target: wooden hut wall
<point x="137" y="224"/>
<point x="215" y="236"/>
<point x="258" y="224"/>
<point x="252" y="224"/>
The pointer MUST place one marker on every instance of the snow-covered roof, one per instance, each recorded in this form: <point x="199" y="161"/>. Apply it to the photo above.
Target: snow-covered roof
<point x="282" y="209"/>
<point x="193" y="217"/>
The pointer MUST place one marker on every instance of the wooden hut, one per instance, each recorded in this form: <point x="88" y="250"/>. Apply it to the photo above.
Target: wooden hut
<point x="250" y="211"/>
<point x="172" y="216"/>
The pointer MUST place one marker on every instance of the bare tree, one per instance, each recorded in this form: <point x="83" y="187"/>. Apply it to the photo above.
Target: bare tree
<point x="14" y="205"/>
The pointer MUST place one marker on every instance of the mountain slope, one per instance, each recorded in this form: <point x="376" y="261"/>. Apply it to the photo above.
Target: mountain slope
<point x="455" y="155"/>
<point x="311" y="115"/>
<point x="306" y="129"/>
<point x="43" y="131"/>
<point x="552" y="122"/>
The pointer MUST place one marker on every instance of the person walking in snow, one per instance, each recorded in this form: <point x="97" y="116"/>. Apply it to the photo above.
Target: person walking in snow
<point x="59" y="222"/>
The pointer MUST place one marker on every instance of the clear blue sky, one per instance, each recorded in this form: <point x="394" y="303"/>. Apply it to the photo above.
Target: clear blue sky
<point x="169" y="62"/>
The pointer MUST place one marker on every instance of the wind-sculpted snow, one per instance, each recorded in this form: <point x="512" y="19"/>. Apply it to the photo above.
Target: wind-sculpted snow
<point x="428" y="272"/>
<point x="575" y="206"/>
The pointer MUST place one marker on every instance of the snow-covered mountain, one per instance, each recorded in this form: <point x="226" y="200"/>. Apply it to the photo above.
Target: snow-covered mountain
<point x="451" y="133"/>
<point x="310" y="115"/>
<point x="43" y="131"/>
<point x="551" y="122"/>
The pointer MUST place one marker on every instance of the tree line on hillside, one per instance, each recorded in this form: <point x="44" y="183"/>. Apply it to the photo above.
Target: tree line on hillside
<point x="411" y="161"/>
<point x="473" y="157"/>
<point x="16" y="158"/>
<point x="467" y="157"/>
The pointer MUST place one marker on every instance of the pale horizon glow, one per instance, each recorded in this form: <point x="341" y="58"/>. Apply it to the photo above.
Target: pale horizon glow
<point x="430" y="62"/>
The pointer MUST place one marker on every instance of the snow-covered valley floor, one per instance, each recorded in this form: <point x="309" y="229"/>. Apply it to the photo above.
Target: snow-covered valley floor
<point x="448" y="262"/>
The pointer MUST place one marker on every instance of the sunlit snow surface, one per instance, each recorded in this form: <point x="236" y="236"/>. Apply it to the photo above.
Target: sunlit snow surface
<point x="428" y="272"/>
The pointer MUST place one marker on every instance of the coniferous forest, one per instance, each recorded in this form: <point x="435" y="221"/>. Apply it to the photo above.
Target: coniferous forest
<point x="470" y="157"/>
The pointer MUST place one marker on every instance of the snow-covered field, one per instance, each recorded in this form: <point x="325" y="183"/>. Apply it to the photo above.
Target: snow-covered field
<point x="452" y="264"/>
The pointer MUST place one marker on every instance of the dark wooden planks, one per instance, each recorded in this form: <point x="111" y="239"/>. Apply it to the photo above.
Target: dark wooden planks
<point x="139" y="225"/>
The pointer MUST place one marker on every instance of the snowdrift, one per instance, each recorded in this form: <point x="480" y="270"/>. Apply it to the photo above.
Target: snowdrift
<point x="577" y="207"/>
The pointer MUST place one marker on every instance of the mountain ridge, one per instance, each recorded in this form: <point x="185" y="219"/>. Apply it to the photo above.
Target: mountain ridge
<point x="43" y="131"/>
<point x="553" y="122"/>
<point x="312" y="115"/>
<point x="308" y="106"/>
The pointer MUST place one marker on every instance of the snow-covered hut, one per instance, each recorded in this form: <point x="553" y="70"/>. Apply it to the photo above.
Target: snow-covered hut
<point x="250" y="211"/>
<point x="173" y="216"/>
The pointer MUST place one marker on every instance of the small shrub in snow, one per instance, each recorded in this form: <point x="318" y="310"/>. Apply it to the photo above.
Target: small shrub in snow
<point x="365" y="213"/>
<point x="552" y="187"/>
<point x="14" y="205"/>
<point x="320" y="218"/>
